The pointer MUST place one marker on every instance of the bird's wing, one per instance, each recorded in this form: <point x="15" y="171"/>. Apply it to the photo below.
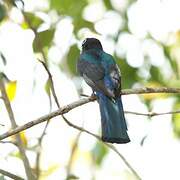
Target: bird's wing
<point x="115" y="75"/>
<point x="93" y="71"/>
<point x="94" y="74"/>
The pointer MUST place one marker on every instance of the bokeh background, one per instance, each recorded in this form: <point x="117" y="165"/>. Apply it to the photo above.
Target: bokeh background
<point x="144" y="38"/>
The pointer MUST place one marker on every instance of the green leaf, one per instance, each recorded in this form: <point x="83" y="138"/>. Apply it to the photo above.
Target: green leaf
<point x="2" y="12"/>
<point x="129" y="76"/>
<point x="73" y="9"/>
<point x="156" y="75"/>
<point x="99" y="152"/>
<point x="72" y="57"/>
<point x="48" y="87"/>
<point x="108" y="4"/>
<point x="81" y="23"/>
<point x="68" y="7"/>
<point x="32" y="20"/>
<point x="173" y="62"/>
<point x="43" y="39"/>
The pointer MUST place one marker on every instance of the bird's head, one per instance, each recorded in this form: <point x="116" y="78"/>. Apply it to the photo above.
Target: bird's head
<point x="91" y="43"/>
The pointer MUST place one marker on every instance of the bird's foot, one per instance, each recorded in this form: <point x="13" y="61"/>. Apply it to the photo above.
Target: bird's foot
<point x="93" y="95"/>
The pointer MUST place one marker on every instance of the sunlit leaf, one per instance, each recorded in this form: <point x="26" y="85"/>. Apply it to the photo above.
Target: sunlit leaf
<point x="16" y="154"/>
<point x="32" y="20"/>
<point x="98" y="153"/>
<point x="23" y="138"/>
<point x="50" y="170"/>
<point x="72" y="57"/>
<point x="43" y="39"/>
<point x="11" y="89"/>
<point x="24" y="25"/>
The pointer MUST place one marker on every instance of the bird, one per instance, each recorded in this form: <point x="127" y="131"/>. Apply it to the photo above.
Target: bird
<point x="102" y="74"/>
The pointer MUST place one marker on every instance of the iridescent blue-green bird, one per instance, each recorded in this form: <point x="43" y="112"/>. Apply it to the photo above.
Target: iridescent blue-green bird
<point x="102" y="74"/>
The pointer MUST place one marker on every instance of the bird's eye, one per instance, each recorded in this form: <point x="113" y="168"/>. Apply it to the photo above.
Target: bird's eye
<point x="84" y="42"/>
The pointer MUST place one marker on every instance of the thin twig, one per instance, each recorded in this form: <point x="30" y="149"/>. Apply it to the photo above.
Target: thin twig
<point x="10" y="175"/>
<point x="9" y="142"/>
<point x="47" y="123"/>
<point x="58" y="105"/>
<point x="40" y="139"/>
<point x="39" y="44"/>
<point x="148" y="90"/>
<point x="51" y="82"/>
<point x="152" y="114"/>
<point x="19" y="142"/>
<point x="69" y="107"/>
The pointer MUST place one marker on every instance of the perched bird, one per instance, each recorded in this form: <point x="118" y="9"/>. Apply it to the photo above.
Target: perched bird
<point x="102" y="74"/>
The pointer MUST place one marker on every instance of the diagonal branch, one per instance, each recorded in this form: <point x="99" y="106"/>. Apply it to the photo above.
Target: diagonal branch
<point x="19" y="142"/>
<point x="10" y="175"/>
<point x="78" y="103"/>
<point x="69" y="107"/>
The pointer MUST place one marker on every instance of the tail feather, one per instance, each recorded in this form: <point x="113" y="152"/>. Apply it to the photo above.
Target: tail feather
<point x="114" y="128"/>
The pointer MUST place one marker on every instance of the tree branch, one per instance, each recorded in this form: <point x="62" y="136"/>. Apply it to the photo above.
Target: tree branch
<point x="152" y="114"/>
<point x="67" y="108"/>
<point x="10" y="175"/>
<point x="148" y="90"/>
<point x="19" y="142"/>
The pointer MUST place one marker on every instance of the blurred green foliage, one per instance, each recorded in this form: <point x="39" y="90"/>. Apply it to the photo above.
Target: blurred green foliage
<point x="44" y="39"/>
<point x="2" y="178"/>
<point x="71" y="61"/>
<point x="32" y="21"/>
<point x="2" y="12"/>
<point x="73" y="9"/>
<point x="98" y="153"/>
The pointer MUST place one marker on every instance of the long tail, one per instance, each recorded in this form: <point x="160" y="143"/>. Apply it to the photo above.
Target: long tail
<point x="114" y="128"/>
